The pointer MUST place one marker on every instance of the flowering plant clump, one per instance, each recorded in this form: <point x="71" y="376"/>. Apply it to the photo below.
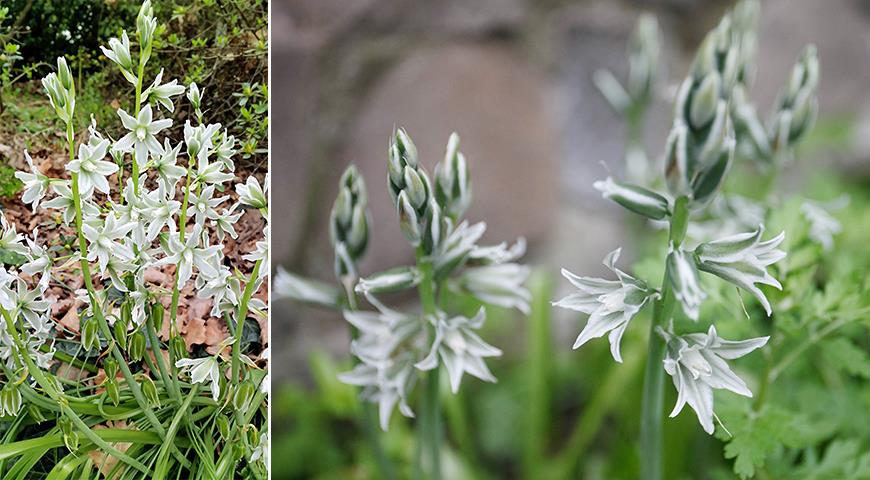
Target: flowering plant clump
<point x="136" y="205"/>
<point x="712" y="119"/>
<point x="394" y="350"/>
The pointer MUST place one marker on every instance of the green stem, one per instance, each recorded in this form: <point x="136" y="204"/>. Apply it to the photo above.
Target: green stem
<point x="58" y="397"/>
<point x="240" y="320"/>
<point x="654" y="376"/>
<point x="136" y="109"/>
<point x="538" y="371"/>
<point x="182" y="225"/>
<point x="174" y="390"/>
<point x="368" y="416"/>
<point x="430" y="419"/>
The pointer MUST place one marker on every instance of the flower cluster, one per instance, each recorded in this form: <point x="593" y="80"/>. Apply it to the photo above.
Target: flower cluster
<point x="393" y="348"/>
<point x="698" y="155"/>
<point x="153" y="204"/>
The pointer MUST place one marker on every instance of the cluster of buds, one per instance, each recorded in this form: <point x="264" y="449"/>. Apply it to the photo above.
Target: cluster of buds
<point x="700" y="147"/>
<point x="643" y="63"/>
<point x="631" y="101"/>
<point x="795" y="109"/>
<point x="61" y="90"/>
<point x="698" y="154"/>
<point x="349" y="223"/>
<point x="452" y="185"/>
<point x="411" y="191"/>
<point x="393" y="348"/>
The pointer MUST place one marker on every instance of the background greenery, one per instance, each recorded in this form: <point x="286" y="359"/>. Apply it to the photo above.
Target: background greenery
<point x="222" y="45"/>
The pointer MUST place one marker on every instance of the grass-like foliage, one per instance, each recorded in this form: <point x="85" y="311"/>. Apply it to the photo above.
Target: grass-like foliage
<point x="119" y="396"/>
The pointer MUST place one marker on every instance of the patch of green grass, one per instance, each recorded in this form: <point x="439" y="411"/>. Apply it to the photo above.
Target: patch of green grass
<point x="9" y="185"/>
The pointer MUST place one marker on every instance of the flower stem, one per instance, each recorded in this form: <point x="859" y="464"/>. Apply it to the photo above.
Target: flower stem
<point x="368" y="416"/>
<point x="95" y="307"/>
<point x="654" y="376"/>
<point x="430" y="412"/>
<point x="240" y="320"/>
<point x="182" y="225"/>
<point x="49" y="388"/>
<point x="165" y="373"/>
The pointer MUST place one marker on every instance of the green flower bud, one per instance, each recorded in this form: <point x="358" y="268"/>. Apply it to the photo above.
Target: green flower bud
<point x="65" y="76"/>
<point x="708" y="182"/>
<point x="244" y="396"/>
<point x="157" y="315"/>
<point x="120" y="331"/>
<point x="643" y="57"/>
<point x="223" y="425"/>
<point x="705" y="101"/>
<point x="36" y="413"/>
<point x="408" y="219"/>
<point x="194" y="96"/>
<point x="415" y="188"/>
<point x="110" y="366"/>
<point x="70" y="434"/>
<point x="146" y="25"/>
<point x="677" y="160"/>
<point x="635" y="198"/>
<point x="90" y="334"/>
<point x="137" y="346"/>
<point x="358" y="235"/>
<point x="193" y="147"/>
<point x="452" y="186"/>
<point x="251" y="436"/>
<point x="348" y="226"/>
<point x="10" y="400"/>
<point x="149" y="390"/>
<point x="113" y="391"/>
<point x="342" y="210"/>
<point x="179" y="348"/>
<point x="407" y="148"/>
<point x="392" y="280"/>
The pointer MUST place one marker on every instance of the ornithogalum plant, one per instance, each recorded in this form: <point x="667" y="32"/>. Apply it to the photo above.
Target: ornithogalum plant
<point x="396" y="350"/>
<point x="166" y="204"/>
<point x="710" y="106"/>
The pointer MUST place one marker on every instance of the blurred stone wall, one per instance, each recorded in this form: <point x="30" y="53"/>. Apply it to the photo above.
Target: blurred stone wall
<point x="513" y="78"/>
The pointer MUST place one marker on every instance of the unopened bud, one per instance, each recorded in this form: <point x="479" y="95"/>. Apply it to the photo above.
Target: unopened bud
<point x="120" y="331"/>
<point x="157" y="315"/>
<point x="10" y="400"/>
<point x="179" y="348"/>
<point x="223" y="425"/>
<point x="676" y="160"/>
<point x="137" y="346"/>
<point x="149" y="390"/>
<point x="244" y="396"/>
<point x="415" y="188"/>
<point x="408" y="219"/>
<point x="65" y="75"/>
<point x="110" y="366"/>
<point x="452" y="188"/>
<point x="113" y="391"/>
<point x="406" y="148"/>
<point x="90" y="334"/>
<point x="635" y="198"/>
<point x="705" y="101"/>
<point x="392" y="280"/>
